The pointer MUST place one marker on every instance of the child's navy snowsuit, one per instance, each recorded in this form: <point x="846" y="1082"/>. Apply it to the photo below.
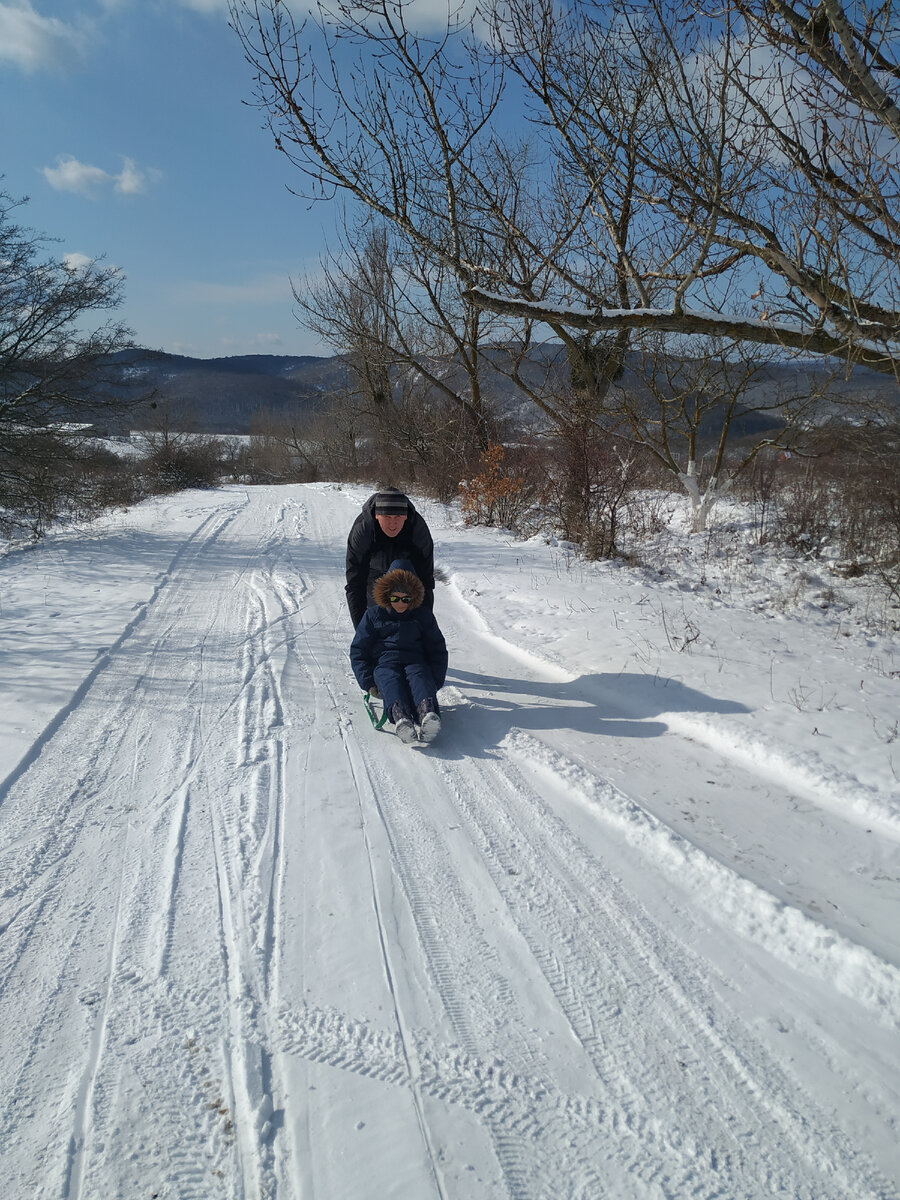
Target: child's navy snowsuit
<point x="404" y="654"/>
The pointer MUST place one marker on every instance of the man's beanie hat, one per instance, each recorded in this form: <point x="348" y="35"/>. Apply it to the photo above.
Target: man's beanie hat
<point x="391" y="503"/>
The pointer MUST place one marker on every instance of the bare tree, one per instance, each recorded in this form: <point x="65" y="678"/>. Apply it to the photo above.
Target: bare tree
<point x="330" y="444"/>
<point x="763" y="167"/>
<point x="690" y="410"/>
<point x="361" y="105"/>
<point x="718" y="174"/>
<point x="54" y="381"/>
<point x="399" y="318"/>
<point x="415" y="353"/>
<point x="724" y="171"/>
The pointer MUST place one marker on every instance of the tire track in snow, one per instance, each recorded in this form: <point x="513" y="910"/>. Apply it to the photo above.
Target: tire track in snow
<point x="527" y="1107"/>
<point x="260" y="749"/>
<point x="366" y="792"/>
<point x="740" y="905"/>
<point x="419" y="855"/>
<point x="659" y="1011"/>
<point x="173" y="858"/>
<point x="770" y="770"/>
<point x="206" y="533"/>
<point x="323" y="780"/>
<point x="98" y="774"/>
<point x="55" y="819"/>
<point x="249" y="854"/>
<point x="277" y="590"/>
<point x="535" y="1156"/>
<point x="85" y="1099"/>
<point x="237" y="1050"/>
<point x="536" y="1150"/>
<point x="200" y="1053"/>
<point x="568" y="1162"/>
<point x="575" y="1164"/>
<point x="141" y="918"/>
<point x="861" y="972"/>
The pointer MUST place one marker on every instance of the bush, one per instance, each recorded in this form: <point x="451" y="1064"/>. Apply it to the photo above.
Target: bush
<point x="60" y="479"/>
<point x="807" y="510"/>
<point x="188" y="461"/>
<point x="500" y="494"/>
<point x="841" y="497"/>
<point x="588" y="481"/>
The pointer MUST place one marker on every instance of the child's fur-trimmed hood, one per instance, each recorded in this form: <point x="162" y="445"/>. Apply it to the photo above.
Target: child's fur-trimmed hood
<point x="398" y="581"/>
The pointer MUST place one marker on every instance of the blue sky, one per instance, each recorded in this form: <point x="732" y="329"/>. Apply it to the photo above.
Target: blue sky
<point x="124" y="122"/>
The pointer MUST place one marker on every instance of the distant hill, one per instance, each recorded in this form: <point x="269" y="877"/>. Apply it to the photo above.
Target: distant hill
<point x="226" y="395"/>
<point x="223" y="395"/>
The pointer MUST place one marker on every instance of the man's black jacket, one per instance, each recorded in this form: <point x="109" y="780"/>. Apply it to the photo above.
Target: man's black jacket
<point x="370" y="553"/>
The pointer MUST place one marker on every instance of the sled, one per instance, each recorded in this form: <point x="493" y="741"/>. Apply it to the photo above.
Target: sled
<point x="377" y="721"/>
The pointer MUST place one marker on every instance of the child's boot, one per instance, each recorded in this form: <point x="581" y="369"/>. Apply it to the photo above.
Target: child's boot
<point x="429" y="720"/>
<point x="403" y="726"/>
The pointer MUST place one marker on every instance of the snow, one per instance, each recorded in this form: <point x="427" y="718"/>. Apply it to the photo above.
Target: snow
<point x="583" y="313"/>
<point x="629" y="928"/>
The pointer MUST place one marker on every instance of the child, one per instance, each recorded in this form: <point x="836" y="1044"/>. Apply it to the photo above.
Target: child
<point x="399" y="649"/>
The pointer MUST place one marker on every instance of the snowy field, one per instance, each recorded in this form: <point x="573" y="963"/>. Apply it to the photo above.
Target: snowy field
<point x="629" y="929"/>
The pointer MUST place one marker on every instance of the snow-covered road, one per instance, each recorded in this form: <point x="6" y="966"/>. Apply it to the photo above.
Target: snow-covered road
<point x="618" y="933"/>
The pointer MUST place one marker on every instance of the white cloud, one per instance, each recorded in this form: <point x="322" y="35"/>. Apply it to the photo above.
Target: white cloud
<point x="132" y="181"/>
<point x="209" y="7"/>
<point x="32" y="41"/>
<point x="76" y="262"/>
<point x="70" y="175"/>
<point x="419" y="16"/>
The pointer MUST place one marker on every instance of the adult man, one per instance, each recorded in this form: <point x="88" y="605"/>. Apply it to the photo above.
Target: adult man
<point x="388" y="528"/>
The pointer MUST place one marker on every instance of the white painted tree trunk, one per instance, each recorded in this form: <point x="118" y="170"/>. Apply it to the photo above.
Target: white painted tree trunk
<point x="702" y="503"/>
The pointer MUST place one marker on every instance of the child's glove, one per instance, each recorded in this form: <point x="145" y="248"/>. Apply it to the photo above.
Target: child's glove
<point x="373" y="691"/>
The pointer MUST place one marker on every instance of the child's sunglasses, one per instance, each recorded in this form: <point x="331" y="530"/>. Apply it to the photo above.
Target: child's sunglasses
<point x="400" y="599"/>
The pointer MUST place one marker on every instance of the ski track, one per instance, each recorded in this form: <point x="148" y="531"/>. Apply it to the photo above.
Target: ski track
<point x="525" y="1024"/>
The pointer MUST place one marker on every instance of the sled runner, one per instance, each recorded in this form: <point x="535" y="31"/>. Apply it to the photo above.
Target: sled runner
<point x="377" y="721"/>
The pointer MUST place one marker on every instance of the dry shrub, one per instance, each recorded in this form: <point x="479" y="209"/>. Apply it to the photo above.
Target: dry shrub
<point x="840" y="497"/>
<point x="588" y="480"/>
<point x="189" y="461"/>
<point x="60" y="479"/>
<point x="807" y="510"/>
<point x="576" y="483"/>
<point x="501" y="494"/>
